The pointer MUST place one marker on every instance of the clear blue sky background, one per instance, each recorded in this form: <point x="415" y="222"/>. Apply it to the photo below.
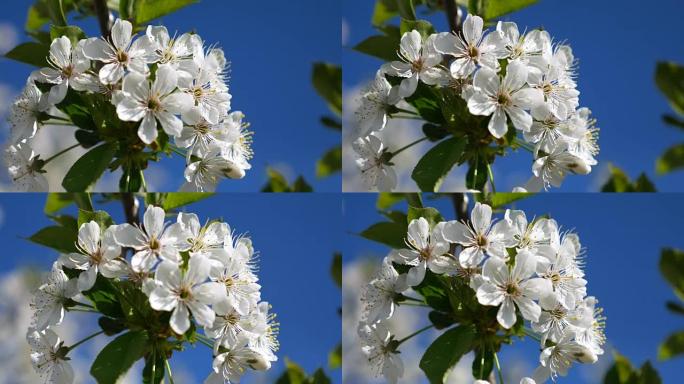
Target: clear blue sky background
<point x="623" y="235"/>
<point x="293" y="269"/>
<point x="272" y="46"/>
<point x="618" y="44"/>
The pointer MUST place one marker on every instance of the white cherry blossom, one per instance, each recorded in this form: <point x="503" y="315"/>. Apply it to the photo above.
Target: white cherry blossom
<point x="479" y="236"/>
<point x="419" y="62"/>
<point x="25" y="112"/>
<point x="427" y="250"/>
<point x="149" y="103"/>
<point x="98" y="252"/>
<point x="375" y="101"/>
<point x="472" y="48"/>
<point x="68" y="68"/>
<point x="120" y="52"/>
<point x="48" y="356"/>
<point x="376" y="340"/>
<point x="372" y="160"/>
<point x="48" y="302"/>
<point x="185" y="293"/>
<point x="509" y="289"/>
<point x="153" y="241"/>
<point x="510" y="97"/>
<point x="379" y="295"/>
<point x="25" y="168"/>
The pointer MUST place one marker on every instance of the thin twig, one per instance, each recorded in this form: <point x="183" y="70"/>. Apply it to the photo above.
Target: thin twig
<point x="451" y="9"/>
<point x="103" y="17"/>
<point x="130" y="206"/>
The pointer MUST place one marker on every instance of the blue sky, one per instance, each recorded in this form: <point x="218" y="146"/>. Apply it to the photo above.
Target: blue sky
<point x="617" y="47"/>
<point x="623" y="235"/>
<point x="294" y="271"/>
<point x="272" y="51"/>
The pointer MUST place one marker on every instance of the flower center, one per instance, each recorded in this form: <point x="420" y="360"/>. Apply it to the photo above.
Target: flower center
<point x="473" y="52"/>
<point x="154" y="104"/>
<point x="482" y="241"/>
<point x="155" y="245"/>
<point x="229" y="282"/>
<point x="96" y="257"/>
<point x="417" y="65"/>
<point x="202" y="128"/>
<point x="122" y="56"/>
<point x="232" y="319"/>
<point x="512" y="289"/>
<point x="425" y="254"/>
<point x="67" y="71"/>
<point x="547" y="88"/>
<point x="185" y="293"/>
<point x="197" y="93"/>
<point x="503" y="99"/>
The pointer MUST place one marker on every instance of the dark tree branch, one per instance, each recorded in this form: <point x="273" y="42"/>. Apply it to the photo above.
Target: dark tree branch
<point x="131" y="207"/>
<point x="451" y="9"/>
<point x="460" y="206"/>
<point x="103" y="17"/>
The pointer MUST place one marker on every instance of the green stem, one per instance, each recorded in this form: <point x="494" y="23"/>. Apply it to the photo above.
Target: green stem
<point x="491" y="177"/>
<point x="402" y="149"/>
<point x="83" y="304"/>
<point x="154" y="364"/>
<point x="411" y="117"/>
<point x="412" y="299"/>
<point x="415" y="304"/>
<point x="60" y="153"/>
<point x="498" y="368"/>
<point x="58" y="122"/>
<point x="60" y="118"/>
<point x="178" y="151"/>
<point x="524" y="145"/>
<point x="142" y="179"/>
<point x="84" y="340"/>
<point x="399" y="342"/>
<point x="82" y="310"/>
<point x="168" y="369"/>
<point x="406" y="111"/>
<point x="482" y="360"/>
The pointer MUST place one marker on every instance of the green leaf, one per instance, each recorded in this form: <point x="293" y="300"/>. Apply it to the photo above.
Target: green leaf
<point x="406" y="9"/>
<point x="330" y="163"/>
<point x="675" y="307"/>
<point x="672" y="268"/>
<point x="501" y="199"/>
<point x="117" y="357"/>
<point x="276" y="182"/>
<point x="57" y="12"/>
<point x="102" y="218"/>
<point x="669" y="78"/>
<point x="620" y="372"/>
<point x="671" y="160"/>
<point x="104" y="297"/>
<point x="59" y="238"/>
<point x="384" y="10"/>
<point x="649" y="375"/>
<point x="672" y="346"/>
<point x="335" y="357"/>
<point x="181" y="199"/>
<point x="38" y="15"/>
<point x="434" y="166"/>
<point x="300" y="185"/>
<point x="477" y="177"/>
<point x="327" y="80"/>
<point x="336" y="269"/>
<point x="388" y="199"/>
<point x="86" y="170"/>
<point x="30" y="53"/>
<point x="428" y="213"/>
<point x="332" y="123"/>
<point x="56" y="201"/>
<point x="387" y="233"/>
<point x="673" y="121"/>
<point x="483" y="364"/>
<point x="424" y="27"/>
<point x="440" y="320"/>
<point x="319" y="377"/>
<point x="73" y="32"/>
<point x="380" y="46"/>
<point x="445" y="352"/>
<point x="498" y="8"/>
<point x="294" y="374"/>
<point x="620" y="182"/>
<point x="154" y="366"/>
<point x="147" y="10"/>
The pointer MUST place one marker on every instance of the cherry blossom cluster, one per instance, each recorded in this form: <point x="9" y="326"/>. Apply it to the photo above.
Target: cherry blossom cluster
<point x="201" y="274"/>
<point x="501" y="74"/>
<point x="528" y="269"/>
<point x="155" y="81"/>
